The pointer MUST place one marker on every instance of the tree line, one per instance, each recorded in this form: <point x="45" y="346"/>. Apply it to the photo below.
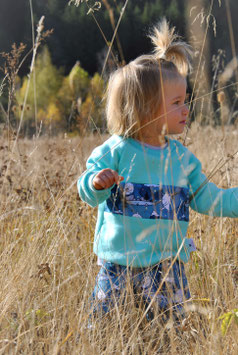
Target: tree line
<point x="68" y="81"/>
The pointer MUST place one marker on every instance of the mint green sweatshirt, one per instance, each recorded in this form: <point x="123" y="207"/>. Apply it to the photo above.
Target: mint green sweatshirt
<point x="145" y="219"/>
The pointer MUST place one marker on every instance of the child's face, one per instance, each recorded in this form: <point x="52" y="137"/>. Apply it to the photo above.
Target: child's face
<point x="173" y="112"/>
<point x="172" y="115"/>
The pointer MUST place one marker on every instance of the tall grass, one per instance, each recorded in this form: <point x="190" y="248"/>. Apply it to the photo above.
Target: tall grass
<point x="48" y="269"/>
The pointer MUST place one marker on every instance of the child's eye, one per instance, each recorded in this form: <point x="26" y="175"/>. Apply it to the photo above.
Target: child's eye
<point x="176" y="102"/>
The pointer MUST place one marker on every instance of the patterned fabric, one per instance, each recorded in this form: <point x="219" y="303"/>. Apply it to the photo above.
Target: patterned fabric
<point x="111" y="288"/>
<point x="149" y="201"/>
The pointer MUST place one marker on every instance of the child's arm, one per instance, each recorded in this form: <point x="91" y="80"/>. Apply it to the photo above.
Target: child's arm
<point x="210" y="199"/>
<point x="94" y="185"/>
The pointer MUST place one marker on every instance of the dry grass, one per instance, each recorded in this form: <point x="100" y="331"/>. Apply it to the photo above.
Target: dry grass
<point x="48" y="268"/>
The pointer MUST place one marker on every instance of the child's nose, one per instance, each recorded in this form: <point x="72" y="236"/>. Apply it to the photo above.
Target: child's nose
<point x="185" y="110"/>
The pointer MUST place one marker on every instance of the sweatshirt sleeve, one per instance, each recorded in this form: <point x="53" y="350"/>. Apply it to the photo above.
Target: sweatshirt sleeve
<point x="102" y="157"/>
<point x="207" y="198"/>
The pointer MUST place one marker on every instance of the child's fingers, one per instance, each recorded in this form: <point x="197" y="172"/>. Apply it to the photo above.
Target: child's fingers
<point x="116" y="178"/>
<point x="100" y="182"/>
<point x="106" y="178"/>
<point x="110" y="177"/>
<point x="97" y="184"/>
<point x="120" y="178"/>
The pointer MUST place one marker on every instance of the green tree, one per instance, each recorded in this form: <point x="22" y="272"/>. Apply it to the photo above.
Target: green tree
<point x="43" y="90"/>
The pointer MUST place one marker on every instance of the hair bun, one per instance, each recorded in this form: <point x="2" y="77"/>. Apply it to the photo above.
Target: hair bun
<point x="169" y="46"/>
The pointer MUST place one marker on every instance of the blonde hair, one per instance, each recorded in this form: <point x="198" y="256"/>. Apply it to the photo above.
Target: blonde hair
<point x="134" y="91"/>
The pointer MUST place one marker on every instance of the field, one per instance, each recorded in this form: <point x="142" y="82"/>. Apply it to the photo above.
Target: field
<point x="48" y="269"/>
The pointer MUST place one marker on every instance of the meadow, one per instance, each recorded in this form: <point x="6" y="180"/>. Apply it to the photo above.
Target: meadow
<point x="48" y="269"/>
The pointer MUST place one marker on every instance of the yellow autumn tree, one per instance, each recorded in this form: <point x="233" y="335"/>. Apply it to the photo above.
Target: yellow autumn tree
<point x="92" y="109"/>
<point x="72" y="93"/>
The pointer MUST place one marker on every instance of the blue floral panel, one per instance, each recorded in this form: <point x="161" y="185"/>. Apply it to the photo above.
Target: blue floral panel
<point x="149" y="201"/>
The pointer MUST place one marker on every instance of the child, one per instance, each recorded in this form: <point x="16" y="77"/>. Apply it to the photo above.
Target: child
<point x="144" y="183"/>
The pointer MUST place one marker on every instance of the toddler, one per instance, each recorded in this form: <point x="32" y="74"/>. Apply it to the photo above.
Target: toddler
<point x="144" y="183"/>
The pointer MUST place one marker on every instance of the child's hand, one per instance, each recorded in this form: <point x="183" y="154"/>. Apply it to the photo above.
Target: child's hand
<point x="106" y="178"/>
